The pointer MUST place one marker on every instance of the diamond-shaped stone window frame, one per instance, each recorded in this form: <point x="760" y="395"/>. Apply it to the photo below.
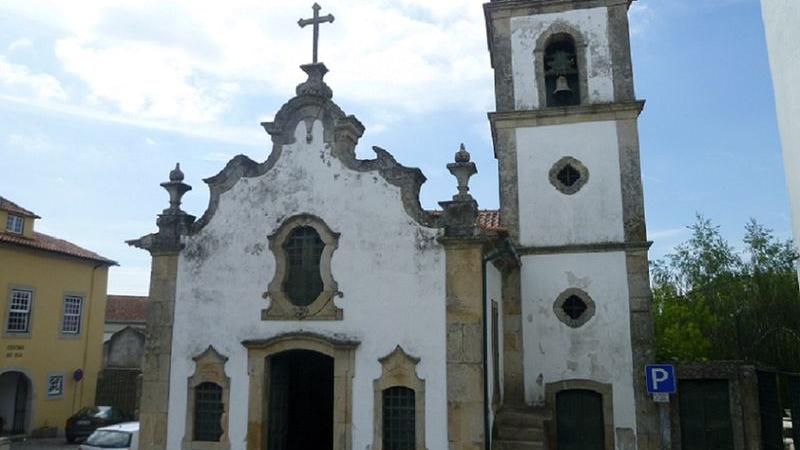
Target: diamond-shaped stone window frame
<point x="562" y="164"/>
<point x="558" y="307"/>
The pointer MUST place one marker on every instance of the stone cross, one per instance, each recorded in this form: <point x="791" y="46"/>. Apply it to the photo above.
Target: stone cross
<point x="316" y="20"/>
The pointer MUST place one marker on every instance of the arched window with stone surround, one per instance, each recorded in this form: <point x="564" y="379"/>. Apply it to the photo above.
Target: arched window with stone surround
<point x="302" y="287"/>
<point x="399" y="404"/>
<point x="208" y="400"/>
<point x="561" y="71"/>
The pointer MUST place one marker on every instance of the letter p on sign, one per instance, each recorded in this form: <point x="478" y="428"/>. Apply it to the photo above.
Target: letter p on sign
<point x="660" y="378"/>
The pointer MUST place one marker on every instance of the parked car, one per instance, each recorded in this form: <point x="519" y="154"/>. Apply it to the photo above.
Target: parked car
<point x="122" y="436"/>
<point x="84" y="422"/>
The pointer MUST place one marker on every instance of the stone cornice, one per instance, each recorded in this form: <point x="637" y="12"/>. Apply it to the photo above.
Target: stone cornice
<point x="333" y="341"/>
<point x="512" y="8"/>
<point x="564" y="115"/>
<point x="585" y="248"/>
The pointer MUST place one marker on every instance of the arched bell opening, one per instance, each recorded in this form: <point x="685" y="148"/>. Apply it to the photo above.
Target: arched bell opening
<point x="561" y="71"/>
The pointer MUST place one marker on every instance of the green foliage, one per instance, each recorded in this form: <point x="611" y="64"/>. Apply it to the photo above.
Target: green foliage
<point x="712" y="302"/>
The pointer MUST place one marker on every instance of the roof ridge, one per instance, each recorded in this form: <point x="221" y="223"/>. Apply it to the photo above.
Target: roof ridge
<point x="45" y="242"/>
<point x="8" y="205"/>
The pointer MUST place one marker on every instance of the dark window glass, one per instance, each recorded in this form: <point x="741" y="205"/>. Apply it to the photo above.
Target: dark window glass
<point x="303" y="252"/>
<point x="399" y="419"/>
<point x="574" y="307"/>
<point x="562" y="79"/>
<point x="207" y="412"/>
<point x="568" y="175"/>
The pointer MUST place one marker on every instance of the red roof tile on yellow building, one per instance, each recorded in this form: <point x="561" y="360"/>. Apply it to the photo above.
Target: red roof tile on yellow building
<point x="40" y="241"/>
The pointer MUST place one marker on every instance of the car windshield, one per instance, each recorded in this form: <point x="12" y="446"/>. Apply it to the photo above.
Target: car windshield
<point x="109" y="439"/>
<point x="95" y="411"/>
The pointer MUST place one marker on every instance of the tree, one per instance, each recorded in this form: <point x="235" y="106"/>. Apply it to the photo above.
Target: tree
<point x="712" y="302"/>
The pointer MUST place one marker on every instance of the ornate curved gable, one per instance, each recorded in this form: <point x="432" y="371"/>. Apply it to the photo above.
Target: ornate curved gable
<point x="341" y="132"/>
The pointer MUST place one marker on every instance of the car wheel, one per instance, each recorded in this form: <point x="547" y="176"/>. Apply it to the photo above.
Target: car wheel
<point x="70" y="439"/>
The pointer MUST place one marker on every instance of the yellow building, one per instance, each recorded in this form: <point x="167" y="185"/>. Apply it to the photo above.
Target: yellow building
<point x="52" y="308"/>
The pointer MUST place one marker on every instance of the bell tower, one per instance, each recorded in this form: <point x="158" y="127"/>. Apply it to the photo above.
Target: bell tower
<point x="577" y="313"/>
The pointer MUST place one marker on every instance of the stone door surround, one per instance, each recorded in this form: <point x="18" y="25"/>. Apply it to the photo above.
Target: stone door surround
<point x="259" y="352"/>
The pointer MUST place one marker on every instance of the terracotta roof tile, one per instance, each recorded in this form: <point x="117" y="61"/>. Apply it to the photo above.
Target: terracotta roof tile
<point x="490" y="220"/>
<point x="8" y="205"/>
<point x="126" y="308"/>
<point x="41" y="241"/>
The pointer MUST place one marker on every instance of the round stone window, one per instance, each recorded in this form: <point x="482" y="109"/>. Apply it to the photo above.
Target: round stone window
<point x="568" y="175"/>
<point x="574" y="307"/>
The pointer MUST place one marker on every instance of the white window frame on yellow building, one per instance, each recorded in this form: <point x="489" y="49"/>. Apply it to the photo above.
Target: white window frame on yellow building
<point x="64" y="314"/>
<point x="7" y="319"/>
<point x="15" y="224"/>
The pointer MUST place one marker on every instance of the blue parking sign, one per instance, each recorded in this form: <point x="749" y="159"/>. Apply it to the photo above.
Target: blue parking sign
<point x="660" y="378"/>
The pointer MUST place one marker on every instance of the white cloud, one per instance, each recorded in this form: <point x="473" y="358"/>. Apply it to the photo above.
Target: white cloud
<point x="641" y="15"/>
<point x="143" y="79"/>
<point x="36" y="144"/>
<point x="20" y="44"/>
<point x="668" y="233"/>
<point x="128" y="280"/>
<point x="229" y="134"/>
<point x="20" y="78"/>
<point x="191" y="62"/>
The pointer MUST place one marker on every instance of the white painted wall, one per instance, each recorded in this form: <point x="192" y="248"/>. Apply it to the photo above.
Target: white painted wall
<point x="600" y="350"/>
<point x="494" y="292"/>
<point x="390" y="269"/>
<point x="594" y="213"/>
<point x="782" y="26"/>
<point x="525" y="31"/>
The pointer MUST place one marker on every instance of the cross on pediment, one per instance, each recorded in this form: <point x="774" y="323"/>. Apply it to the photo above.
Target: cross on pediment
<point x="315" y="21"/>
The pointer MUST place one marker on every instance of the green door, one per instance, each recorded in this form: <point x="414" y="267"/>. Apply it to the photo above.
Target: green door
<point x="579" y="420"/>
<point x="705" y="415"/>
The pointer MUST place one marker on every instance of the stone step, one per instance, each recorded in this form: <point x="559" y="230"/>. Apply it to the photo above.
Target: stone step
<point x="514" y="433"/>
<point x="523" y="417"/>
<point x="517" y="445"/>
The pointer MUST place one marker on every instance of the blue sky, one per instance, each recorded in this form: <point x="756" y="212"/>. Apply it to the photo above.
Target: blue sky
<point x="98" y="100"/>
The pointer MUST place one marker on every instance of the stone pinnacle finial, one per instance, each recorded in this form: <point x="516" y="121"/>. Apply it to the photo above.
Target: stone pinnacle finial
<point x="176" y="174"/>
<point x="176" y="188"/>
<point x="462" y="156"/>
<point x="462" y="169"/>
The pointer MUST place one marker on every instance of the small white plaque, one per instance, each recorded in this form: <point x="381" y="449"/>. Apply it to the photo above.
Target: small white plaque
<point x="661" y="397"/>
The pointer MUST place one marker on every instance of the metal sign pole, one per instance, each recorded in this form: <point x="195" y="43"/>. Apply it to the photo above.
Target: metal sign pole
<point x="661" y="382"/>
<point x="666" y="430"/>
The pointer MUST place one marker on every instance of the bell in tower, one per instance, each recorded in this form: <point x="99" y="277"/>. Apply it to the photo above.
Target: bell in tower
<point x="561" y="72"/>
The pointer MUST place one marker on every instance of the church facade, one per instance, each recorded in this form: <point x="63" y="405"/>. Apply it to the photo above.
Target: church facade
<point x="317" y="305"/>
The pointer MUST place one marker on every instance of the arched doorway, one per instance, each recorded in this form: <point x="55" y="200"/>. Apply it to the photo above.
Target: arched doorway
<point x="300" y="401"/>
<point x="260" y="354"/>
<point x="15" y="402"/>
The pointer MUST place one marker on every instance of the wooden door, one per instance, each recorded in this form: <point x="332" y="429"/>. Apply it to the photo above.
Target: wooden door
<point x="579" y="420"/>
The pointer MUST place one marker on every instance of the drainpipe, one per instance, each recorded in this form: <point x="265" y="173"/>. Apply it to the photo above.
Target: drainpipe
<point x="89" y="306"/>
<point x="508" y="250"/>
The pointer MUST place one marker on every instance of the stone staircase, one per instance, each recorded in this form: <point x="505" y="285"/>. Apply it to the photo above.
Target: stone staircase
<point x="520" y="428"/>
